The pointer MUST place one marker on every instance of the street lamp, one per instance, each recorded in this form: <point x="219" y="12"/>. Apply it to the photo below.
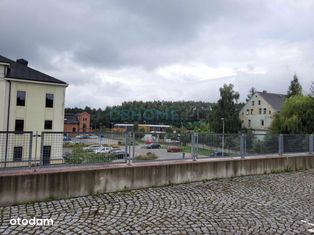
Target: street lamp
<point x="223" y="136"/>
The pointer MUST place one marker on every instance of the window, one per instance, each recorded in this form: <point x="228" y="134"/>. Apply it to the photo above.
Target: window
<point x="264" y="110"/>
<point x="73" y="129"/>
<point x="251" y="111"/>
<point x="262" y="122"/>
<point x="253" y="102"/>
<point x="49" y="100"/>
<point x="242" y="113"/>
<point x="20" y="98"/>
<point x="247" y="112"/>
<point x="249" y="123"/>
<point x="269" y="112"/>
<point x="17" y="154"/>
<point x="48" y="124"/>
<point x="260" y="111"/>
<point x="19" y="125"/>
<point x="259" y="102"/>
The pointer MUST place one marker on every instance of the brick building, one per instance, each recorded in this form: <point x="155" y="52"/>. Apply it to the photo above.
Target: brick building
<point x="79" y="122"/>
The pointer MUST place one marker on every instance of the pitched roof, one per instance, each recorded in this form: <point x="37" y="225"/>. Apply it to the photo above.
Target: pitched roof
<point x="22" y="71"/>
<point x="275" y="100"/>
<point x="70" y="119"/>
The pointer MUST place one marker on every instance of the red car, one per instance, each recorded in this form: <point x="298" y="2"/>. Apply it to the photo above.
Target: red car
<point x="174" y="149"/>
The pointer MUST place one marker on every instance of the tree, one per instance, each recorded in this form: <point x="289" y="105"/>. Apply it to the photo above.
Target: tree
<point x="228" y="109"/>
<point x="252" y="91"/>
<point x="295" y="87"/>
<point x="312" y="89"/>
<point x="296" y="116"/>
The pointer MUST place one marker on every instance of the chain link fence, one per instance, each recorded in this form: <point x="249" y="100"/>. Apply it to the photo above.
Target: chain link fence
<point x="60" y="148"/>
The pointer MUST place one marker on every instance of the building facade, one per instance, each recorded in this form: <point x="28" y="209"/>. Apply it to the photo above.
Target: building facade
<point x="258" y="113"/>
<point x="79" y="122"/>
<point x="30" y="101"/>
<point x="147" y="128"/>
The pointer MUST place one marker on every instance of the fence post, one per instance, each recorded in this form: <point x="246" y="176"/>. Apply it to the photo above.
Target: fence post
<point x="280" y="144"/>
<point x="311" y="139"/>
<point x="192" y="145"/>
<point x="126" y="135"/>
<point x="194" y="141"/>
<point x="242" y="144"/>
<point x="30" y="149"/>
<point x="133" y="150"/>
<point x="6" y="149"/>
<point x="41" y="157"/>
<point x="196" y="153"/>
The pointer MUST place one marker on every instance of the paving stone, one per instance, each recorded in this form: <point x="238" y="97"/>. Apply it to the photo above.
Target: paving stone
<point x="264" y="204"/>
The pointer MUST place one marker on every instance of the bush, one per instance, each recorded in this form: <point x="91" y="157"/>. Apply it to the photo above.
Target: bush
<point x="148" y="156"/>
<point x="79" y="156"/>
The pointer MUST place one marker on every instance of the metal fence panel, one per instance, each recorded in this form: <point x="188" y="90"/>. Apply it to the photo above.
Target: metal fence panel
<point x="296" y="143"/>
<point x="218" y="145"/>
<point x="80" y="148"/>
<point x="257" y="144"/>
<point x="161" y="146"/>
<point x="16" y="149"/>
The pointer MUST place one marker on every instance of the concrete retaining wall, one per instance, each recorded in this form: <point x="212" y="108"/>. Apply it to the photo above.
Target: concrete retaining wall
<point x="51" y="183"/>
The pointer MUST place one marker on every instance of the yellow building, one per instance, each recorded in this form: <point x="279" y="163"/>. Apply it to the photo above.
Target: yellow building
<point x="30" y="101"/>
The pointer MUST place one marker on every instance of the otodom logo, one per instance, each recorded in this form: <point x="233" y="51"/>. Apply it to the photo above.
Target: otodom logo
<point x="33" y="222"/>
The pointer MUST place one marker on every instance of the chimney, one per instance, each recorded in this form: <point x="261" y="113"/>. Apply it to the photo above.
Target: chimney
<point x="22" y="61"/>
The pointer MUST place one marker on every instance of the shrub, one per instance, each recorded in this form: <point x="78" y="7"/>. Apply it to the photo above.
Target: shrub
<point x="147" y="156"/>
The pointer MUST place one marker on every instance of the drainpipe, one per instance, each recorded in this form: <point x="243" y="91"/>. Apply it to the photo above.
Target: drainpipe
<point x="8" y="125"/>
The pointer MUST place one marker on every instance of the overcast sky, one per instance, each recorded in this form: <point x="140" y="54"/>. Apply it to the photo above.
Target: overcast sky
<point x="122" y="50"/>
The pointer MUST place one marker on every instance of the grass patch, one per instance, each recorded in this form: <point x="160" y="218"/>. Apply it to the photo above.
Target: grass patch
<point x="201" y="151"/>
<point x="148" y="156"/>
<point x="278" y="171"/>
<point x="72" y="145"/>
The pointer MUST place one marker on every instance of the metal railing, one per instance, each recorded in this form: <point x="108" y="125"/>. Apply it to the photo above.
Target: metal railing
<point x="27" y="149"/>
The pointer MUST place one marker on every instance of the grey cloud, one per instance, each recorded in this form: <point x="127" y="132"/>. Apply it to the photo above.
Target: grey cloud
<point x="77" y="40"/>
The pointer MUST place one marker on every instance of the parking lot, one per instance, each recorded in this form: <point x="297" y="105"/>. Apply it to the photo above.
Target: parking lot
<point x="161" y="153"/>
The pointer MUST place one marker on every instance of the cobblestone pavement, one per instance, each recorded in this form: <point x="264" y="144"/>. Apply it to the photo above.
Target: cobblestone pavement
<point x="265" y="204"/>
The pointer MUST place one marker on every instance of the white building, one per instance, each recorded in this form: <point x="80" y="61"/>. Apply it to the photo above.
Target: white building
<point x="29" y="101"/>
<point x="258" y="113"/>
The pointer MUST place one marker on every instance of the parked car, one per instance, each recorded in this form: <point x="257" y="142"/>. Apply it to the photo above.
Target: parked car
<point x="92" y="148"/>
<point x="218" y="154"/>
<point x="174" y="149"/>
<point x="153" y="146"/>
<point x="103" y="150"/>
<point x="66" y="138"/>
<point x="92" y="137"/>
<point x="81" y="137"/>
<point x="170" y="141"/>
<point x="117" y="153"/>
